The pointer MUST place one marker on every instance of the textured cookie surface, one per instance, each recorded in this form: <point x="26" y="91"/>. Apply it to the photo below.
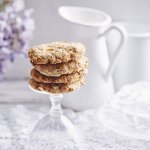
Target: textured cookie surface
<point x="55" y="88"/>
<point x="67" y="78"/>
<point x="63" y="68"/>
<point x="55" y="52"/>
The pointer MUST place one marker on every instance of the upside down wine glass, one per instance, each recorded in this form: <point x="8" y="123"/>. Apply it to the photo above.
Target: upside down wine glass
<point x="54" y="131"/>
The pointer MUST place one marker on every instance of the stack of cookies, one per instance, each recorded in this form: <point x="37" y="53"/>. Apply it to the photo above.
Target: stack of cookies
<point x="59" y="67"/>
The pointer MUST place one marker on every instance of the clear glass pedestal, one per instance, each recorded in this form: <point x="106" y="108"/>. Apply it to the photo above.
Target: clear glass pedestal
<point x="54" y="131"/>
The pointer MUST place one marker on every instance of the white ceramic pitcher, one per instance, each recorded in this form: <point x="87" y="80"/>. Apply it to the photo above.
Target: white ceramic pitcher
<point x="99" y="85"/>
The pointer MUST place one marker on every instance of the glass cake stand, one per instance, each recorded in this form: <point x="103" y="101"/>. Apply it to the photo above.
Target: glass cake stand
<point x="54" y="131"/>
<point x="128" y="111"/>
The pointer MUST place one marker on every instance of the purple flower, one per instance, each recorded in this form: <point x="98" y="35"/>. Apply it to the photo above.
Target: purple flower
<point x="16" y="29"/>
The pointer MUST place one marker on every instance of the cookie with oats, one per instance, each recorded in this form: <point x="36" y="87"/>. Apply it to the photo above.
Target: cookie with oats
<point x="66" y="78"/>
<point x="55" y="88"/>
<point x="63" y="68"/>
<point x="55" y="52"/>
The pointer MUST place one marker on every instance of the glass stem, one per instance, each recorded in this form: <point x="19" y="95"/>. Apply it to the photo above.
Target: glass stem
<point x="56" y="110"/>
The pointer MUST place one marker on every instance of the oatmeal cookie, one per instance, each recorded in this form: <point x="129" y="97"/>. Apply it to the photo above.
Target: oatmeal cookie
<point x="55" y="88"/>
<point x="55" y="52"/>
<point x="67" y="78"/>
<point x="62" y="68"/>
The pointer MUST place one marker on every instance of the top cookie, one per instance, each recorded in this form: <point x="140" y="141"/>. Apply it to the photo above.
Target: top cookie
<point x="55" y="52"/>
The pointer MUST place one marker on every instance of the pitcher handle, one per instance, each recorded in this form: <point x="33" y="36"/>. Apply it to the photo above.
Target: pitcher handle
<point x="116" y="54"/>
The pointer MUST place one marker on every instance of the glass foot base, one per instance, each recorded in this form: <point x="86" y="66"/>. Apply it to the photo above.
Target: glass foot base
<point x="55" y="134"/>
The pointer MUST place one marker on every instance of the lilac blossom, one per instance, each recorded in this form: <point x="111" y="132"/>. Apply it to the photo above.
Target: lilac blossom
<point x="16" y="28"/>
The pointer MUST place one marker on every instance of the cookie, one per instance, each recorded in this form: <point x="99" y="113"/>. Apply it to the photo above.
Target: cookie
<point x="63" y="68"/>
<point x="55" y="52"/>
<point x="68" y="78"/>
<point x="55" y="88"/>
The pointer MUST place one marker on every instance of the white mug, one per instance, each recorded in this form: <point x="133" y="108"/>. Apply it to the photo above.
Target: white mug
<point x="99" y="87"/>
<point x="134" y="62"/>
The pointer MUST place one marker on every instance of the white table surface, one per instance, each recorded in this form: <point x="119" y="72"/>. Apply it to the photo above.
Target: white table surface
<point x="20" y="109"/>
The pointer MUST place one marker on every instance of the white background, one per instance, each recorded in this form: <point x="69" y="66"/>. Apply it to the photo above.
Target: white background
<point x="51" y="27"/>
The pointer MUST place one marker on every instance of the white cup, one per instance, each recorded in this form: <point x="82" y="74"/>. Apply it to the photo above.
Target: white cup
<point x="134" y="62"/>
